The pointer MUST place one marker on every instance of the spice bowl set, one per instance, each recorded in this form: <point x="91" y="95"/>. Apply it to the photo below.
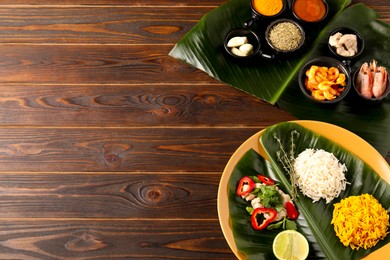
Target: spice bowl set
<point x="327" y="80"/>
<point x="276" y="30"/>
<point x="278" y="26"/>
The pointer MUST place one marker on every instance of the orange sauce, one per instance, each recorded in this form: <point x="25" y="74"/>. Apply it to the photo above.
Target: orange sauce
<point x="267" y="7"/>
<point x="309" y="10"/>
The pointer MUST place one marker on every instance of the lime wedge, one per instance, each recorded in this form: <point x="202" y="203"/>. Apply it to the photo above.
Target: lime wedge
<point x="290" y="245"/>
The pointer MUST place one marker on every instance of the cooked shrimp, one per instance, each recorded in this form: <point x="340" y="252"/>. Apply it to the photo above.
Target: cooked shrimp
<point x="333" y="73"/>
<point x="380" y="82"/>
<point x="364" y="80"/>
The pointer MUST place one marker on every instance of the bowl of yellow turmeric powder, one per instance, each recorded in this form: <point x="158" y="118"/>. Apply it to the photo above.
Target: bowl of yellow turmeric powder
<point x="265" y="9"/>
<point x="268" y="8"/>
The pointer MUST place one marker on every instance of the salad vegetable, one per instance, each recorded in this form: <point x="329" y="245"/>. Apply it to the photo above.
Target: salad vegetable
<point x="268" y="215"/>
<point x="268" y="203"/>
<point x="245" y="186"/>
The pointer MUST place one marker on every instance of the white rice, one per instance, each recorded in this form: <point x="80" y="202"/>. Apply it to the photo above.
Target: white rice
<point x="319" y="175"/>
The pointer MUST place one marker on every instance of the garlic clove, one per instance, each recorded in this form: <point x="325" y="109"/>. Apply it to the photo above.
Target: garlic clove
<point x="237" y="41"/>
<point x="237" y="52"/>
<point x="246" y="48"/>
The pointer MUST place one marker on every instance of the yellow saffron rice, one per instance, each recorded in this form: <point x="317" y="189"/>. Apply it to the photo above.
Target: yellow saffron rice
<point x="360" y="221"/>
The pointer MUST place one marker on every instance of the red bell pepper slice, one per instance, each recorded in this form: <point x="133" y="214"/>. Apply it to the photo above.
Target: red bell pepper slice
<point x="268" y="216"/>
<point x="292" y="212"/>
<point x="245" y="186"/>
<point x="265" y="180"/>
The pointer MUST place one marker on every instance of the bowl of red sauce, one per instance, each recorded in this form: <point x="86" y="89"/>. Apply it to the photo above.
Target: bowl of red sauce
<point x="310" y="11"/>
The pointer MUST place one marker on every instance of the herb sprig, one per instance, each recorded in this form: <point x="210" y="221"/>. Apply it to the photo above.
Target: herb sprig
<point x="287" y="160"/>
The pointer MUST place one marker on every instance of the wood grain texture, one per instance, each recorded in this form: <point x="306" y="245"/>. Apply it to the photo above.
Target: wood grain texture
<point x="134" y="105"/>
<point x="128" y="24"/>
<point x="119" y="149"/>
<point x="96" y="64"/>
<point x="146" y="195"/>
<point x="109" y="148"/>
<point x="125" y="3"/>
<point x="97" y="25"/>
<point x="112" y="239"/>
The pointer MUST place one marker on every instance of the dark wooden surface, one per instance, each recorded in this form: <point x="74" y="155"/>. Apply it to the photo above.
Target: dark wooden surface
<point x="109" y="148"/>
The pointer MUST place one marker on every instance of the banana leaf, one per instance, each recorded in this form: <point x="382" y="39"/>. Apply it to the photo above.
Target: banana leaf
<point x="371" y="121"/>
<point x="314" y="220"/>
<point x="254" y="244"/>
<point x="275" y="81"/>
<point x="202" y="47"/>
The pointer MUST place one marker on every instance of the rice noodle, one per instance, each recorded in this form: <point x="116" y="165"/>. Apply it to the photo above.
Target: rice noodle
<point x="319" y="175"/>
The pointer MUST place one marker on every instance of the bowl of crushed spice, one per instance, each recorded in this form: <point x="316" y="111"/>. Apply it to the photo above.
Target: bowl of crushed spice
<point x="285" y="36"/>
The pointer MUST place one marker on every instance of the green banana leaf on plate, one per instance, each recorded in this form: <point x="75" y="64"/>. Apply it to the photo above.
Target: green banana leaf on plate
<point x="275" y="81"/>
<point x="314" y="220"/>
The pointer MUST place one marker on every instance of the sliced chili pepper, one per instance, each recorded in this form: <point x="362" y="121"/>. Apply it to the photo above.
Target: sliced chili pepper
<point x="292" y="212"/>
<point x="265" y="180"/>
<point x="268" y="215"/>
<point x="245" y="186"/>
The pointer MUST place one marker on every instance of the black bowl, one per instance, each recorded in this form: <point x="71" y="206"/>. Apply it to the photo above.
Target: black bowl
<point x="326" y="62"/>
<point x="278" y="50"/>
<point x="258" y="17"/>
<point x="345" y="30"/>
<point x="257" y="14"/>
<point x="372" y="99"/>
<point x="253" y="39"/>
<point x="303" y="21"/>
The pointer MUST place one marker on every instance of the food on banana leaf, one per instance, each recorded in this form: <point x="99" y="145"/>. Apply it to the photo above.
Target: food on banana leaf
<point x="269" y="204"/>
<point x="240" y="46"/>
<point x="324" y="83"/>
<point x="371" y="80"/>
<point x="360" y="221"/>
<point x="290" y="244"/>
<point x="345" y="44"/>
<point x="267" y="7"/>
<point x="319" y="175"/>
<point x="285" y="35"/>
<point x="310" y="11"/>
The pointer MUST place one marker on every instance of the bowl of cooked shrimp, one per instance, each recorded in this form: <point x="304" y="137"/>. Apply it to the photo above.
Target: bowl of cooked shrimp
<point x="371" y="81"/>
<point x="324" y="80"/>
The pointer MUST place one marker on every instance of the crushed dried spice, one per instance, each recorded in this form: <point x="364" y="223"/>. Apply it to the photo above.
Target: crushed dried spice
<point x="285" y="36"/>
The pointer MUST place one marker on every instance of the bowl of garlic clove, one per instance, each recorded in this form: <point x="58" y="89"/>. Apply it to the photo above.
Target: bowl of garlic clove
<point x="345" y="43"/>
<point x="242" y="43"/>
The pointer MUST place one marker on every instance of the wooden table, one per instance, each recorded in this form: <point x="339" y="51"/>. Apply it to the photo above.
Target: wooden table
<point x="109" y="148"/>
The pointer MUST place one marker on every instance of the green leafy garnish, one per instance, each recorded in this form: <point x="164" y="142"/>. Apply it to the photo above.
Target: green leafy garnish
<point x="270" y="197"/>
<point x="283" y="224"/>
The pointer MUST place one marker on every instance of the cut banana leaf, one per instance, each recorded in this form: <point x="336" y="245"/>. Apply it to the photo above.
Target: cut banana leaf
<point x="275" y="81"/>
<point x="258" y="244"/>
<point x="371" y="121"/>
<point x="203" y="48"/>
<point x="318" y="215"/>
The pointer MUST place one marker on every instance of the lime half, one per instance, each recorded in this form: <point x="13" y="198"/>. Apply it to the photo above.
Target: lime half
<point x="290" y="245"/>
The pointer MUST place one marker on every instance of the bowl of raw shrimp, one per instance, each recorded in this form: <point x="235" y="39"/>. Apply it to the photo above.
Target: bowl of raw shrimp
<point x="324" y="80"/>
<point x="371" y="81"/>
